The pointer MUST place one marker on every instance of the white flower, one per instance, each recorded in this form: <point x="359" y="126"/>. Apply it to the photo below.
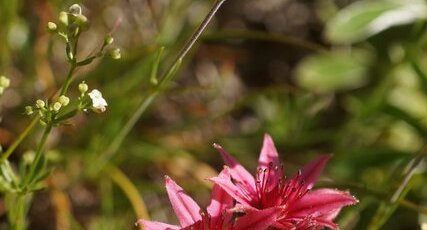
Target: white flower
<point x="98" y="102"/>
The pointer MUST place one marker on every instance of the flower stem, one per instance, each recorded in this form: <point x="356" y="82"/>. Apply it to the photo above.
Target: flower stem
<point x="190" y="43"/>
<point x="18" y="141"/>
<point x="119" y="138"/>
<point x="16" y="206"/>
<point x="39" y="154"/>
<point x="73" y="67"/>
<point x="20" y="221"/>
<point x="67" y="82"/>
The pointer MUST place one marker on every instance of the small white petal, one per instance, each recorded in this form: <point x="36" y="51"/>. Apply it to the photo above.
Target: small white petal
<point x="98" y="102"/>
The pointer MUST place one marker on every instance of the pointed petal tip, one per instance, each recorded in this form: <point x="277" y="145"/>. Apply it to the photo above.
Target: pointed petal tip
<point x="268" y="139"/>
<point x="216" y="146"/>
<point x="326" y="156"/>
<point x="168" y="182"/>
<point x="213" y="179"/>
<point x="356" y="201"/>
<point x="267" y="136"/>
<point x="139" y="222"/>
<point x="351" y="197"/>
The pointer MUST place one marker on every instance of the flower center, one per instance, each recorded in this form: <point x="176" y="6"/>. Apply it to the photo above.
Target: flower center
<point x="274" y="190"/>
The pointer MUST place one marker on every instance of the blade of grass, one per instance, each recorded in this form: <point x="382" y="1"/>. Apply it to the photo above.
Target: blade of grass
<point x="153" y="77"/>
<point x="129" y="189"/>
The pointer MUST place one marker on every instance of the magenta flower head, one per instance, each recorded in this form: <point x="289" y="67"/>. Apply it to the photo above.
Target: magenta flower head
<point x="300" y="206"/>
<point x="218" y="216"/>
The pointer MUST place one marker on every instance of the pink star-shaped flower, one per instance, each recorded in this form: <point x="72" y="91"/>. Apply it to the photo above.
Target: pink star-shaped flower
<point x="218" y="216"/>
<point x="300" y="207"/>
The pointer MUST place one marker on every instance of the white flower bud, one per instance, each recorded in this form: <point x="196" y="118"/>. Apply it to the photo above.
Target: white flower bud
<point x="98" y="102"/>
<point x="4" y="82"/>
<point x="81" y="20"/>
<point x="51" y="26"/>
<point x="29" y="110"/>
<point x="109" y="40"/>
<point x="116" y="53"/>
<point x="83" y="87"/>
<point x="56" y="106"/>
<point x="63" y="18"/>
<point x="28" y="157"/>
<point x="40" y="104"/>
<point x="64" y="100"/>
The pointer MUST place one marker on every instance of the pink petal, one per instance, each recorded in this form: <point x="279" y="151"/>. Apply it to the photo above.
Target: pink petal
<point x="224" y="181"/>
<point x="331" y="215"/>
<point x="237" y="171"/>
<point x="283" y="224"/>
<point x="220" y="203"/>
<point x="153" y="225"/>
<point x="256" y="219"/>
<point x="326" y="223"/>
<point x="186" y="209"/>
<point x="269" y="158"/>
<point x="311" y="172"/>
<point x="320" y="203"/>
<point x="268" y="153"/>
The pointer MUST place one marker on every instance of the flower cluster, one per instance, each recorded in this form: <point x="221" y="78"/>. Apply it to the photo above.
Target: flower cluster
<point x="55" y="112"/>
<point x="72" y="23"/>
<point x="267" y="200"/>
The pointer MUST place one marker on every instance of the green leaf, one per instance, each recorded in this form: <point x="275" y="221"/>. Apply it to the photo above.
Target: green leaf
<point x="363" y="19"/>
<point x="338" y="70"/>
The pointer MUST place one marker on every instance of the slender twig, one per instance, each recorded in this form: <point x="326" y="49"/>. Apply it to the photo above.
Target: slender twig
<point x="119" y="138"/>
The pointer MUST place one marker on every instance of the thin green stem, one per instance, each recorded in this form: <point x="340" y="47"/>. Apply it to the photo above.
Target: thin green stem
<point x="67" y="82"/>
<point x="18" y="141"/>
<point x="20" y="216"/>
<point x="190" y="43"/>
<point x="119" y="138"/>
<point x="73" y="66"/>
<point x="39" y="154"/>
